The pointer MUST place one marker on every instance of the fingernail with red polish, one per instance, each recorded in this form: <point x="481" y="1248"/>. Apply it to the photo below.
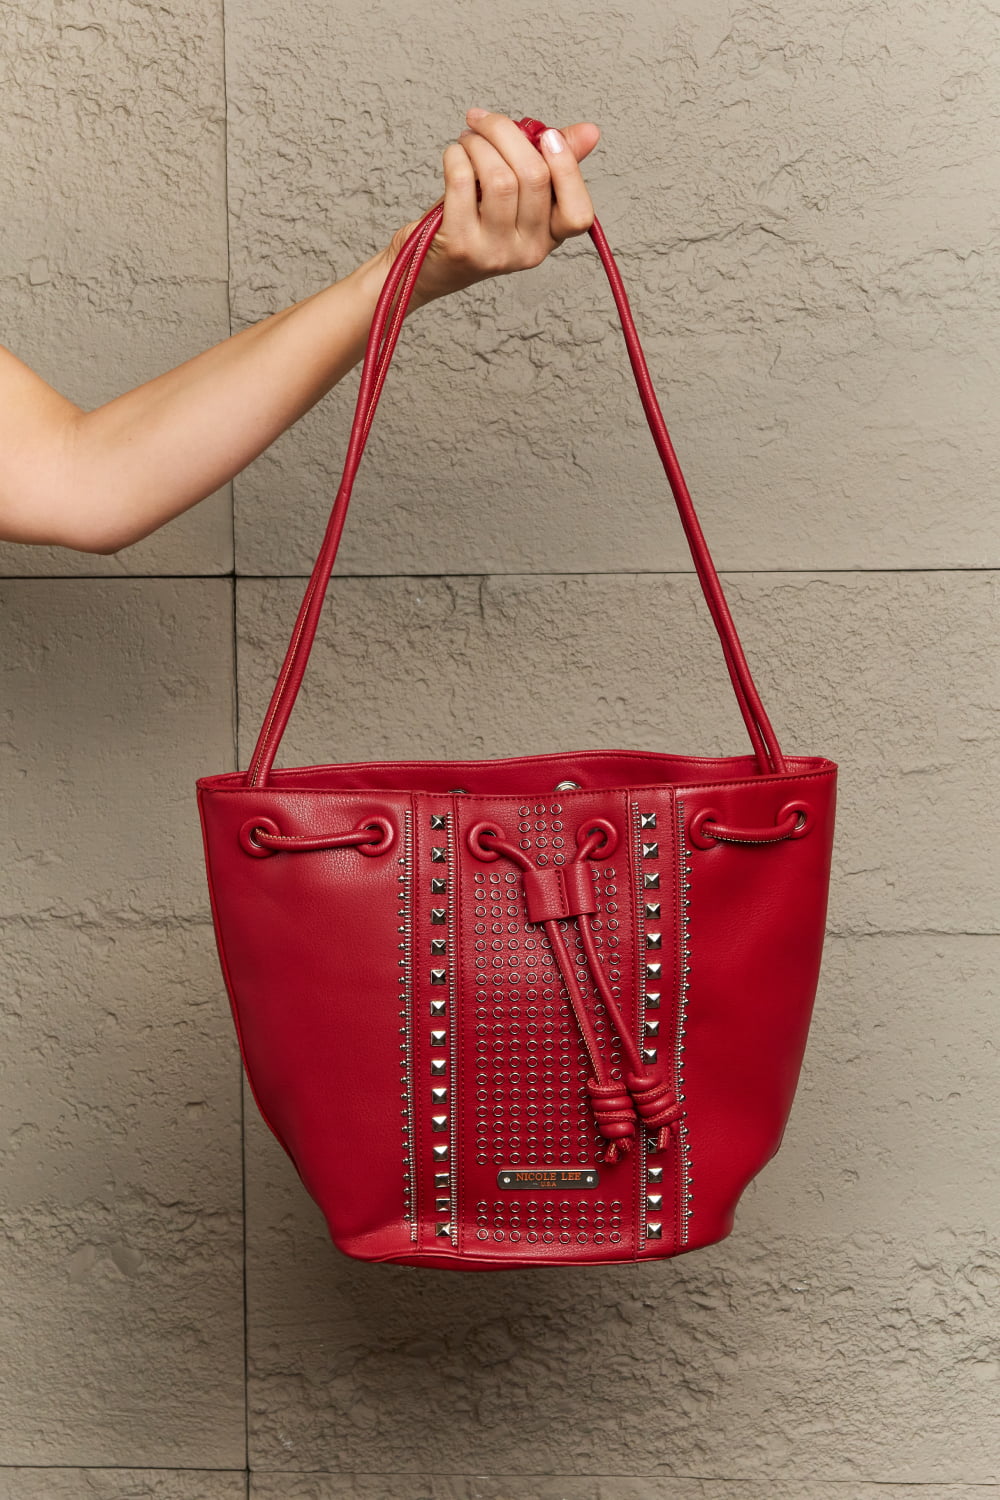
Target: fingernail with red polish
<point x="553" y="141"/>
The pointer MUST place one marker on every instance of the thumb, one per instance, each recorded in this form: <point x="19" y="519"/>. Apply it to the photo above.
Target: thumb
<point x="581" y="138"/>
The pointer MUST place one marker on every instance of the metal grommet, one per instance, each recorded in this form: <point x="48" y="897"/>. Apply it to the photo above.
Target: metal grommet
<point x="249" y="844"/>
<point x="698" y="838"/>
<point x="482" y="851"/>
<point x="598" y="825"/>
<point x="805" y="816"/>
<point x="385" y="842"/>
<point x="567" y="786"/>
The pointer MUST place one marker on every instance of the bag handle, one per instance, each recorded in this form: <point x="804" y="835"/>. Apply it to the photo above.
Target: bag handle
<point x="387" y="323"/>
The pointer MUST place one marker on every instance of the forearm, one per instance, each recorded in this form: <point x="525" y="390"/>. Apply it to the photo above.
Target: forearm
<point x="153" y="452"/>
<point x="99" y="480"/>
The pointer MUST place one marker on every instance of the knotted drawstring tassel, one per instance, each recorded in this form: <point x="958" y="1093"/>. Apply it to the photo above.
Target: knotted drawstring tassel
<point x="658" y="1106"/>
<point x="614" y="1111"/>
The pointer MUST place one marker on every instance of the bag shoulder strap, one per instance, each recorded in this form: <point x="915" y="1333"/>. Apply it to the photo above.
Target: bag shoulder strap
<point x="387" y="323"/>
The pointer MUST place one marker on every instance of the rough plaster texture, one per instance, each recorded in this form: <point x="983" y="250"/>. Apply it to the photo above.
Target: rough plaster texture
<point x="802" y="200"/>
<point x="113" y="250"/>
<point x="572" y="1487"/>
<point x="120" y="1229"/>
<point x="802" y="197"/>
<point x="120" y="1484"/>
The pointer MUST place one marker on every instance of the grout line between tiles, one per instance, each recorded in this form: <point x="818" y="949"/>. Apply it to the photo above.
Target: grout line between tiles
<point x="495" y="573"/>
<point x="235" y="658"/>
<point x="915" y="1485"/>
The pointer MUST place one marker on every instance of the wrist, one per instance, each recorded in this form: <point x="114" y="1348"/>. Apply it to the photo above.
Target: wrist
<point x="383" y="262"/>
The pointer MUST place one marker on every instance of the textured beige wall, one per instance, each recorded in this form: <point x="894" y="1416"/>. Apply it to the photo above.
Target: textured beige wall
<point x="803" y="199"/>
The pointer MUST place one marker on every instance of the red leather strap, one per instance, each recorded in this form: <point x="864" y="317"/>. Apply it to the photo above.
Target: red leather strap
<point x="387" y="322"/>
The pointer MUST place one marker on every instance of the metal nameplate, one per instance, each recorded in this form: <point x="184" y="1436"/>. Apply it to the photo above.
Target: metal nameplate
<point x="544" y="1180"/>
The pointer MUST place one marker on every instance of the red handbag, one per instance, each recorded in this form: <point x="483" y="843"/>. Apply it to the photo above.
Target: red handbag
<point x="545" y="1010"/>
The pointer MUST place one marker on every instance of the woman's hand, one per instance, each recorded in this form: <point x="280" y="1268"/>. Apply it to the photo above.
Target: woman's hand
<point x="530" y="203"/>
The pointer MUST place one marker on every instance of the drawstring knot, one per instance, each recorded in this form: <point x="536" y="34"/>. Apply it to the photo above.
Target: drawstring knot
<point x="614" y="1112"/>
<point x="658" y="1106"/>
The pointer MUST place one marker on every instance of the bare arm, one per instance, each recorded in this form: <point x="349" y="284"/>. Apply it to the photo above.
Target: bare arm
<point x="98" y="481"/>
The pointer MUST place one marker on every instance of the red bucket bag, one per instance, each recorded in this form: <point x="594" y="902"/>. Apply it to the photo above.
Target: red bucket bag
<point x="535" y="1011"/>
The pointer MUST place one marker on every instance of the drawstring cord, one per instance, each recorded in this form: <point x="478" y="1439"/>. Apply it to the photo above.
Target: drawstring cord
<point x="261" y="837"/>
<point x="560" y="893"/>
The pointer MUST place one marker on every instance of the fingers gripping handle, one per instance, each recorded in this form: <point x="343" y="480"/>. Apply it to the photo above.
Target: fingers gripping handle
<point x="387" y="323"/>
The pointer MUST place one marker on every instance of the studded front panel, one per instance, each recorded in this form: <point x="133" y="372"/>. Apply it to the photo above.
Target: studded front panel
<point x="531" y="1108"/>
<point x="499" y="1071"/>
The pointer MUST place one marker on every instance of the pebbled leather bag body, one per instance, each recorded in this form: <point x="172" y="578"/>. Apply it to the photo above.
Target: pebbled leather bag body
<point x="534" y="1011"/>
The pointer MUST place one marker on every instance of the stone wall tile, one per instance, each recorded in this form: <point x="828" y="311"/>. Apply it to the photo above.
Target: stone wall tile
<point x="573" y="1487"/>
<point x="800" y="207"/>
<point x="113" y="264"/>
<point x="121" y="1243"/>
<point x="115" y="696"/>
<point x="121" y="1484"/>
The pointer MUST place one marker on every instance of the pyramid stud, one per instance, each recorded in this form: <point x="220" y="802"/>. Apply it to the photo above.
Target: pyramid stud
<point x="440" y="1153"/>
<point x="438" y="947"/>
<point x="442" y="1205"/>
<point x="439" y="916"/>
<point x="653" y="1200"/>
<point x="653" y="971"/>
<point x="647" y="820"/>
<point x="649" y="1054"/>
<point x="439" y="1065"/>
<point x="651" y="881"/>
<point x="438" y="887"/>
<point x="656" y="1174"/>
<point x="652" y="910"/>
<point x="654" y="1230"/>
<point x="438" y="855"/>
<point x="654" y="940"/>
<point x="650" y="851"/>
<point x="443" y="1231"/>
<point x="439" y="1095"/>
<point x="438" y="1038"/>
<point x="439" y="1122"/>
<point x="652" y="1028"/>
<point x="438" y="976"/>
<point x="653" y="999"/>
<point x="439" y="1007"/>
<point x="441" y="1180"/>
<point x="438" y="820"/>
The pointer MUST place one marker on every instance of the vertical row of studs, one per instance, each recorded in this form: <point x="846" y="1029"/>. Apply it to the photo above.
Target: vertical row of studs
<point x="442" y="1032"/>
<point x="683" y="982"/>
<point x="640" y="969"/>
<point x="453" y="1027"/>
<point x="651" y="969"/>
<point x="405" y="929"/>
